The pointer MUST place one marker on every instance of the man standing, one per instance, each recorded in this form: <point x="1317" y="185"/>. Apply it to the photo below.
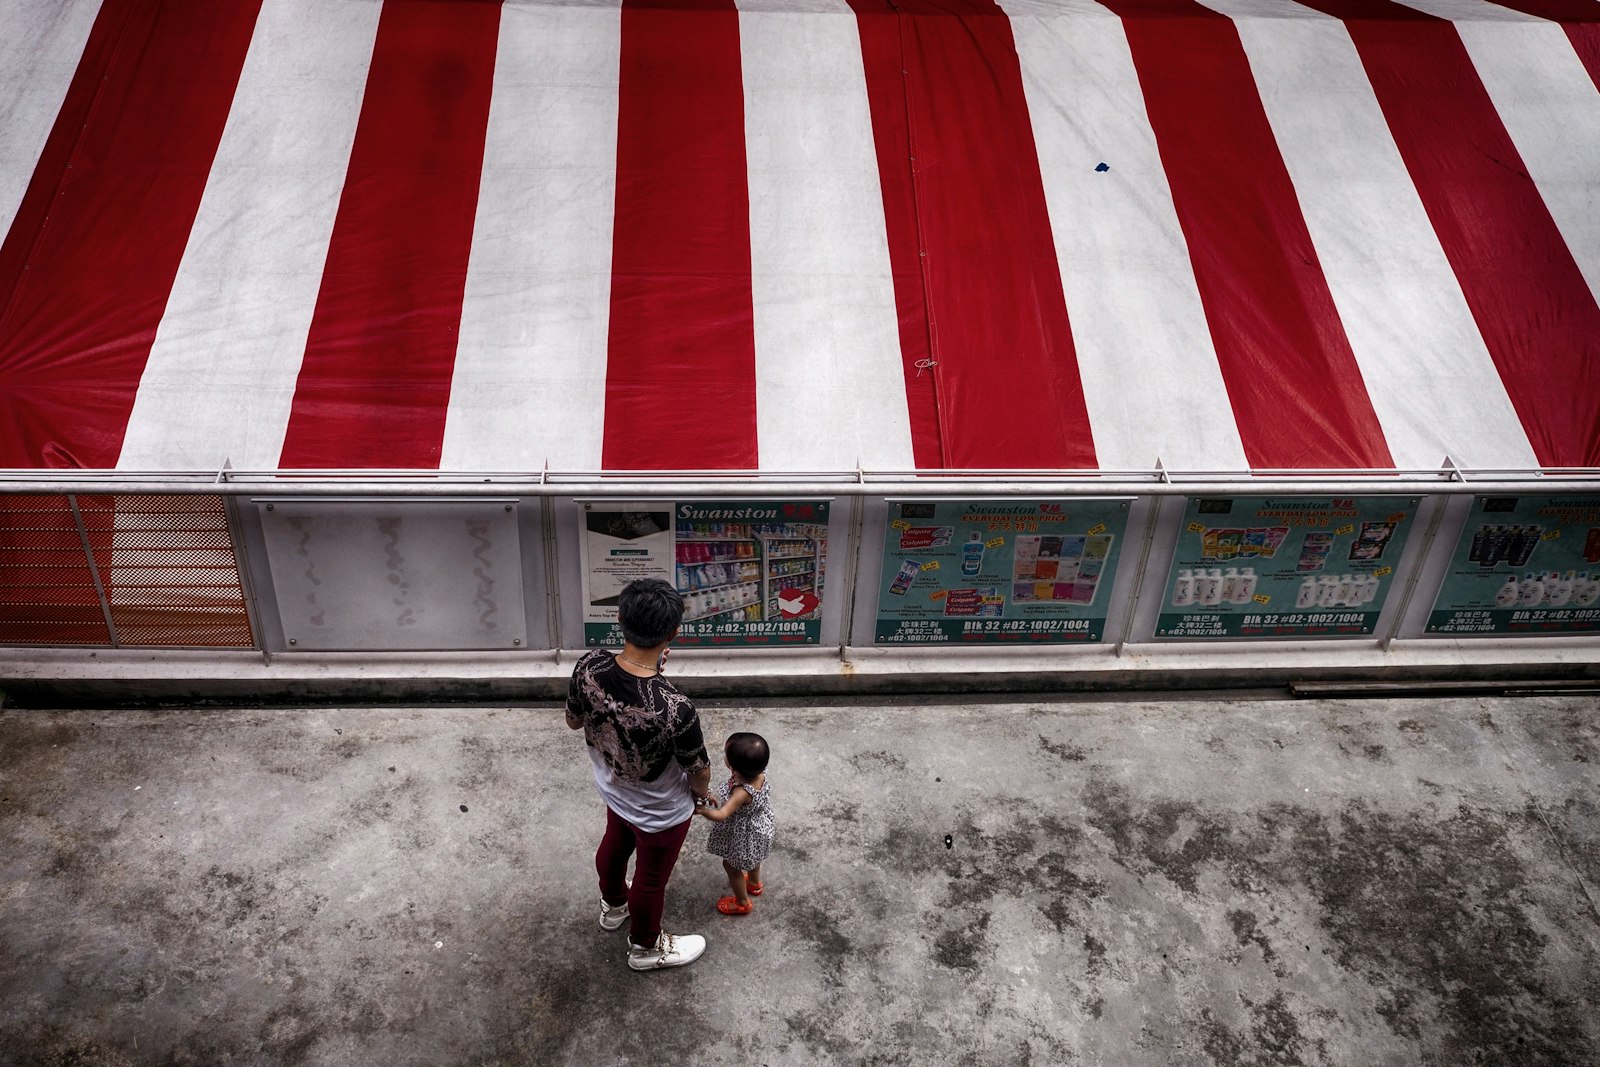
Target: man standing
<point x="650" y="766"/>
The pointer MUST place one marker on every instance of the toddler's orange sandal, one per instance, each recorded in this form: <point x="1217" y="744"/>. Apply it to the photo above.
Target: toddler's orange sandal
<point x="753" y="888"/>
<point x="730" y="905"/>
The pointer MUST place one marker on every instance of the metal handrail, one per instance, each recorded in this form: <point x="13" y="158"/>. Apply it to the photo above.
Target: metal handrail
<point x="1448" y="480"/>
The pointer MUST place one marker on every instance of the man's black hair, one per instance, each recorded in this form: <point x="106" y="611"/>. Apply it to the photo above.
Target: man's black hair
<point x="648" y="611"/>
<point x="747" y="754"/>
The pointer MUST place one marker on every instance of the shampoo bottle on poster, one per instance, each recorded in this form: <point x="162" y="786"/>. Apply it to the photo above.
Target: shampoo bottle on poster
<point x="1230" y="585"/>
<point x="1247" y="586"/>
<point x="1522" y="545"/>
<point x="1183" y="590"/>
<point x="1347" y="590"/>
<point x="1369" y="592"/>
<point x="1530" y="592"/>
<point x="1494" y="546"/>
<point x="1327" y="592"/>
<point x="1210" y="588"/>
<point x="1506" y="595"/>
<point x="1307" y="597"/>
<point x="1558" y="588"/>
<point x="1584" y="590"/>
<point x="1479" y="539"/>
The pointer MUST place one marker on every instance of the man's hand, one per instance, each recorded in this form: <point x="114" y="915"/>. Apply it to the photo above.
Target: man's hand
<point x="700" y="784"/>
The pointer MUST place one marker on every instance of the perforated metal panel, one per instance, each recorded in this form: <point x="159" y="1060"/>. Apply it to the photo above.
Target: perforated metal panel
<point x="165" y="573"/>
<point x="47" y="592"/>
<point x="388" y="574"/>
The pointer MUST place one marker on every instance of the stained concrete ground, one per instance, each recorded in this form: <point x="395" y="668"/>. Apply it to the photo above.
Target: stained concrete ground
<point x="1174" y="882"/>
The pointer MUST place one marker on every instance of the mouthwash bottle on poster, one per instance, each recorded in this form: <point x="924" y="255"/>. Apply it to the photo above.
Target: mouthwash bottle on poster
<point x="972" y="555"/>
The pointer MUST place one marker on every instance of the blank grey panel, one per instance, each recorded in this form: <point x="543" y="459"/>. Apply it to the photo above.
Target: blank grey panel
<point x="410" y="575"/>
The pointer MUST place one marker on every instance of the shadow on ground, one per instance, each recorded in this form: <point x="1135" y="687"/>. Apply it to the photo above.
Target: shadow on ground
<point x="1247" y="883"/>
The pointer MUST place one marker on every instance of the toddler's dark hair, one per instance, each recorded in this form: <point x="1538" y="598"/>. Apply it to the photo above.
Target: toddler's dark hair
<point x="747" y="754"/>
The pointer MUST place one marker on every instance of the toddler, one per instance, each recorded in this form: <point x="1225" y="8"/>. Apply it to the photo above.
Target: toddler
<point x="743" y="834"/>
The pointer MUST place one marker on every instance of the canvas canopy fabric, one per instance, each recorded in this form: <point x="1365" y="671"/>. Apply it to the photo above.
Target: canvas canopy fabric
<point x="799" y="234"/>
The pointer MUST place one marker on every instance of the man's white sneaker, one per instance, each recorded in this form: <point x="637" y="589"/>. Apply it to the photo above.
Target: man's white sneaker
<point x="613" y="917"/>
<point x="670" y="950"/>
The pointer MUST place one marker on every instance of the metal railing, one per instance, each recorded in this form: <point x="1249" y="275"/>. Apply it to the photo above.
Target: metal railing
<point x="170" y="559"/>
<point x="1448" y="479"/>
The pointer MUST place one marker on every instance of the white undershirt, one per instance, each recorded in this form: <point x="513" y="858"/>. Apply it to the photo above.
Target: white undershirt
<point x="649" y="806"/>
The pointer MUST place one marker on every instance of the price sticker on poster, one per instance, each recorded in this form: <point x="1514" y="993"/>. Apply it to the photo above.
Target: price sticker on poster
<point x="1283" y="567"/>
<point x="1523" y="565"/>
<point x="999" y="571"/>
<point x="750" y="572"/>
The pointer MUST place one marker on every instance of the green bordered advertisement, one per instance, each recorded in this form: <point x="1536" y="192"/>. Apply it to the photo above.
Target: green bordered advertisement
<point x="1283" y="567"/>
<point x="1523" y="565"/>
<point x="998" y="571"/>
<point x="751" y="572"/>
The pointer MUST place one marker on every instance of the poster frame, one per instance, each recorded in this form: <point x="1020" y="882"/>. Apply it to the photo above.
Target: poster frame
<point x="1458" y="510"/>
<point x="569" y="518"/>
<point x="1166" y="531"/>
<point x="1119" y="591"/>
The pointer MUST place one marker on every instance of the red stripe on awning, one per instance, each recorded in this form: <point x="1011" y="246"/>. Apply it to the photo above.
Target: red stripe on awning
<point x="976" y="277"/>
<point x="1579" y="18"/>
<point x="680" y="372"/>
<point x="1297" y="392"/>
<point x="1532" y="305"/>
<point x="375" y="383"/>
<point x="880" y="31"/>
<point x="90" y="260"/>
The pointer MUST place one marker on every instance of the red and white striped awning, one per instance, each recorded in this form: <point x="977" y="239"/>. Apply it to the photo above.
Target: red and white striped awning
<point x="799" y="234"/>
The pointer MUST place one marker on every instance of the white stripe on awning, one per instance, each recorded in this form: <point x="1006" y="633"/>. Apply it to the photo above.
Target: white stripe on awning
<point x="221" y="374"/>
<point x="830" y="384"/>
<point x="1432" y="383"/>
<point x="530" y="372"/>
<point x="1138" y="325"/>
<point x="1551" y="109"/>
<point x="39" y="53"/>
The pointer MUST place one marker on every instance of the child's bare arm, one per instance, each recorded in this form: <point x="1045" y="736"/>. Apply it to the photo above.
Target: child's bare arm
<point x="735" y="801"/>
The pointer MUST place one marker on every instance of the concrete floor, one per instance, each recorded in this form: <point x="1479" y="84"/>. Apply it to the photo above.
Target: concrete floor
<point x="1168" y="882"/>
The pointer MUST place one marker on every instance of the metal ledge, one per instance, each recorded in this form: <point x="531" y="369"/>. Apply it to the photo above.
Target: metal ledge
<point x="62" y="678"/>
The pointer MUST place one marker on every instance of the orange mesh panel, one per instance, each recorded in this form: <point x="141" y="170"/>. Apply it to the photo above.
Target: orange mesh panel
<point x="169" y="570"/>
<point x="47" y="594"/>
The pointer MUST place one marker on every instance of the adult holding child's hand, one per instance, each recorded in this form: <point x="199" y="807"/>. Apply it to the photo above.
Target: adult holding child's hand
<point x="650" y="767"/>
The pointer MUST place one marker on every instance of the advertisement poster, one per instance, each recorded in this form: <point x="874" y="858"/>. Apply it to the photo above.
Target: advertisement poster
<point x="1283" y="567"/>
<point x="1524" y="565"/>
<point x="999" y="571"/>
<point x="751" y="572"/>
